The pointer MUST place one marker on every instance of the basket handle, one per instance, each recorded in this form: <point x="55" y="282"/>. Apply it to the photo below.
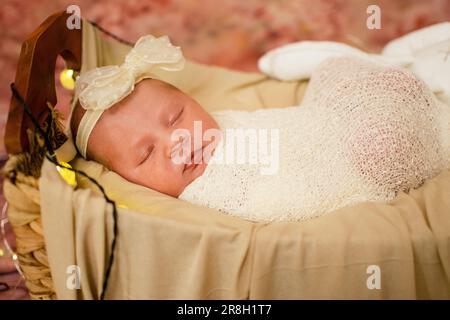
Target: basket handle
<point x="35" y="75"/>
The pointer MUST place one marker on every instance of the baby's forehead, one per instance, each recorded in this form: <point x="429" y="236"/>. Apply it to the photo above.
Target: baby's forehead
<point x="146" y="96"/>
<point x="140" y="110"/>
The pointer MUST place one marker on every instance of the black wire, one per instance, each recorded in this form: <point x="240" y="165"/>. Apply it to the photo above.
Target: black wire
<point x="112" y="35"/>
<point x="33" y="119"/>
<point x="50" y="155"/>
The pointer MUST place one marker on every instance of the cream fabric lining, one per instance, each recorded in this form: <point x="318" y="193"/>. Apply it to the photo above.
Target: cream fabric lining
<point x="171" y="249"/>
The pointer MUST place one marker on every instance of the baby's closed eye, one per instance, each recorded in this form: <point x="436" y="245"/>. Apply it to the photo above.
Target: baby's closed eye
<point x="146" y="154"/>
<point x="176" y="116"/>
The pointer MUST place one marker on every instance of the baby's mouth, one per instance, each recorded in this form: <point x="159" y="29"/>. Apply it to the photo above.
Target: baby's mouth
<point x="195" y="160"/>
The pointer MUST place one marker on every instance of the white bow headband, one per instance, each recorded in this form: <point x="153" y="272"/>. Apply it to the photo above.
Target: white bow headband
<point x="100" y="88"/>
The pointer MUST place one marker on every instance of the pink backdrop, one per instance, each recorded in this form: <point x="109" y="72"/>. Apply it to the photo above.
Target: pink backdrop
<point x="230" y="33"/>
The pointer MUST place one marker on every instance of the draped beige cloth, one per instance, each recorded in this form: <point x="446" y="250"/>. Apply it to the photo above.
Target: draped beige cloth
<point x="171" y="249"/>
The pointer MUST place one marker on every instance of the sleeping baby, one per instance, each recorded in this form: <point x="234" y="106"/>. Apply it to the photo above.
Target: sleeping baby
<point x="363" y="132"/>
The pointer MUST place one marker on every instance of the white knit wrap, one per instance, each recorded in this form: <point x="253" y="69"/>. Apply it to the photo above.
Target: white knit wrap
<point x="364" y="132"/>
<point x="100" y="88"/>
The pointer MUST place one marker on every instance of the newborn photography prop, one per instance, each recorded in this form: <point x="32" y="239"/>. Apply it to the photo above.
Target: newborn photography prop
<point x="306" y="162"/>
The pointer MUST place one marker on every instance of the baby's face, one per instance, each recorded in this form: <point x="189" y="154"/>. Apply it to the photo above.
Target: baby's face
<point x="134" y="137"/>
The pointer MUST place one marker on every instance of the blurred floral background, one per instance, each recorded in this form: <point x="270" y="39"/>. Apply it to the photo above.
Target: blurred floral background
<point x="229" y="33"/>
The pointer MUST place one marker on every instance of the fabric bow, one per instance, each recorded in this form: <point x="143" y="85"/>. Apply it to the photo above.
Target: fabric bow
<point x="100" y="88"/>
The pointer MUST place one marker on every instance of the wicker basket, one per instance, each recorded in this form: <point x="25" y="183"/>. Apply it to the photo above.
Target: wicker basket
<point x="21" y="189"/>
<point x="22" y="194"/>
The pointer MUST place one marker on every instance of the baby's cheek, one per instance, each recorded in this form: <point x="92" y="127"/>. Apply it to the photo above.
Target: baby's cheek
<point x="166" y="180"/>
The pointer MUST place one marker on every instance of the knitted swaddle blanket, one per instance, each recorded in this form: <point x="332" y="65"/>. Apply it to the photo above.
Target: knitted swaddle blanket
<point x="363" y="132"/>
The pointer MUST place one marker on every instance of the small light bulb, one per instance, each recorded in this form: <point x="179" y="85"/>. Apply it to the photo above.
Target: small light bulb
<point x="66" y="79"/>
<point x="67" y="174"/>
